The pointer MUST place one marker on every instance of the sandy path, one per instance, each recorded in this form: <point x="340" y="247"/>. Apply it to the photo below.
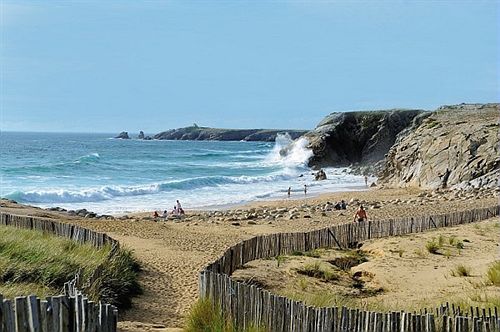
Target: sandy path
<point x="172" y="253"/>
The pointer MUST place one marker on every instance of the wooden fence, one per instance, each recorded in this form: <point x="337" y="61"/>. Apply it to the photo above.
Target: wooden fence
<point x="64" y="313"/>
<point x="58" y="313"/>
<point x="248" y="304"/>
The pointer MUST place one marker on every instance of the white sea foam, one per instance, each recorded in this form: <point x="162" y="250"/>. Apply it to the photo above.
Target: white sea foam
<point x="290" y="153"/>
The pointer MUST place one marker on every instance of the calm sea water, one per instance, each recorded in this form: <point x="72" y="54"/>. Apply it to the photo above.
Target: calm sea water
<point x="107" y="175"/>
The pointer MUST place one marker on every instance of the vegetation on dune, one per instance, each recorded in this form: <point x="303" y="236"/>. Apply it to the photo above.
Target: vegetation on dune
<point x="461" y="271"/>
<point x="32" y="262"/>
<point x="117" y="283"/>
<point x="493" y="273"/>
<point x="205" y="317"/>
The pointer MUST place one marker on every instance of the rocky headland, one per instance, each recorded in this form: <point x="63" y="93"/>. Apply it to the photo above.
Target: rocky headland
<point x="196" y="133"/>
<point x="455" y="147"/>
<point x="347" y="138"/>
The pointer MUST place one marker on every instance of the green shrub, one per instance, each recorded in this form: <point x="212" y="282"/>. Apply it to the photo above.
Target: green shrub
<point x="494" y="273"/>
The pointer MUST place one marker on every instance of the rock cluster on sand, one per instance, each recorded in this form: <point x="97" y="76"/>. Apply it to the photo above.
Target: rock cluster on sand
<point x="266" y="214"/>
<point x="456" y="146"/>
<point x="123" y="135"/>
<point x="81" y="213"/>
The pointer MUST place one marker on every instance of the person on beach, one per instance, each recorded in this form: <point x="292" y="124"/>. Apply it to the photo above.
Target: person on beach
<point x="174" y="212"/>
<point x="337" y="206"/>
<point x="165" y="214"/>
<point x="366" y="180"/>
<point x="343" y="205"/>
<point x="360" y="215"/>
<point x="156" y="215"/>
<point x="305" y="189"/>
<point x="289" y="191"/>
<point x="179" y="208"/>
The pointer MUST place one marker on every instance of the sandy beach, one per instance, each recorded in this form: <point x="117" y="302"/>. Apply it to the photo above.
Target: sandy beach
<point x="172" y="253"/>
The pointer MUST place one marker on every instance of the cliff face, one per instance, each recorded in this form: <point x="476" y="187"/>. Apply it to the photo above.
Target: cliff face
<point x="215" y="134"/>
<point x="346" y="138"/>
<point x="456" y="146"/>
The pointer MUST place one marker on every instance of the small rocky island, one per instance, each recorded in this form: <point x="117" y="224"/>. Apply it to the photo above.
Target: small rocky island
<point x="123" y="135"/>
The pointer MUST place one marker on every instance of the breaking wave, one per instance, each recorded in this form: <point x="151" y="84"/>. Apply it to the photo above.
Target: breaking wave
<point x="109" y="192"/>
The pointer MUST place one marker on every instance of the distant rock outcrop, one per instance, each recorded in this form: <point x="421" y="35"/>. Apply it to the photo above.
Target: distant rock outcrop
<point x="123" y="135"/>
<point x="346" y="138"/>
<point x="196" y="133"/>
<point x="141" y="135"/>
<point x="456" y="146"/>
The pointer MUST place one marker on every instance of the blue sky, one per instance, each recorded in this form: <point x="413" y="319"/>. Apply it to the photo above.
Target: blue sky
<point x="107" y="66"/>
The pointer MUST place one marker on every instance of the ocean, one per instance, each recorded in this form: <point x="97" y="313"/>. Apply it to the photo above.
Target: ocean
<point x="113" y="176"/>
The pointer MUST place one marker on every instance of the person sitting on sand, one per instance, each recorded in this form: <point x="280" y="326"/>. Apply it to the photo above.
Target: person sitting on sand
<point x="174" y="212"/>
<point x="337" y="206"/>
<point x="360" y="215"/>
<point x="165" y="214"/>
<point x="343" y="205"/>
<point x="155" y="215"/>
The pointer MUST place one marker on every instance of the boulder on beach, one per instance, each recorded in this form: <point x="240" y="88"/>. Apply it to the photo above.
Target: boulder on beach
<point x="320" y="175"/>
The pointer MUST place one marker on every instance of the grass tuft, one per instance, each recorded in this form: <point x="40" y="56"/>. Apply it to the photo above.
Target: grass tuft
<point x="461" y="271"/>
<point x="345" y="263"/>
<point x="205" y="317"/>
<point x="493" y="273"/>
<point x="317" y="270"/>
<point x="432" y="246"/>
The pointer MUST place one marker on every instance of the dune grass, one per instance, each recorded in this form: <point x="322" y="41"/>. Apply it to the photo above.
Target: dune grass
<point x="493" y="273"/>
<point x="32" y="262"/>
<point x="204" y="317"/>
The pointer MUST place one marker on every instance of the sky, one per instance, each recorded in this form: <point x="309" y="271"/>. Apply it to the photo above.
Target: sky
<point x="108" y="66"/>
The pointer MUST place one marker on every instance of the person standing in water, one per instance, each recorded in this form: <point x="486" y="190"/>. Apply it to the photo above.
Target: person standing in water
<point x="305" y="189"/>
<point x="289" y="191"/>
<point x="366" y="180"/>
